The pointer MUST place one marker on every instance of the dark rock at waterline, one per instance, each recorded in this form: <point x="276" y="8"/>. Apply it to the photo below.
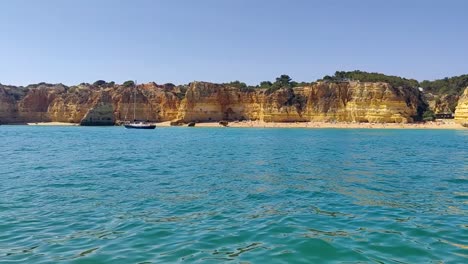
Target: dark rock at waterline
<point x="177" y="123"/>
<point x="223" y="123"/>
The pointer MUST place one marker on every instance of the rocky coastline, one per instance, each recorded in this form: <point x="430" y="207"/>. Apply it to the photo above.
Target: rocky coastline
<point x="111" y="104"/>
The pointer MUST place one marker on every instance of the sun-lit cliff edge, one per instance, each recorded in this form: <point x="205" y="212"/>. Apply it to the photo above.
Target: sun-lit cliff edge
<point x="461" y="111"/>
<point x="87" y="104"/>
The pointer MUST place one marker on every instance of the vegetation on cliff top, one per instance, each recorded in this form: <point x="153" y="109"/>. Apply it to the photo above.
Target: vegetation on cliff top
<point x="447" y="86"/>
<point x="363" y="76"/>
<point x="102" y="83"/>
<point x="285" y="81"/>
<point x="452" y="86"/>
<point x="281" y="82"/>
<point x="128" y="84"/>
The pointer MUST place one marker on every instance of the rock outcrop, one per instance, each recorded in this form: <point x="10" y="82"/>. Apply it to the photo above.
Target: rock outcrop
<point x="346" y="101"/>
<point x="442" y="104"/>
<point x="201" y="101"/>
<point x="87" y="104"/>
<point x="461" y="111"/>
<point x="7" y="105"/>
<point x="102" y="111"/>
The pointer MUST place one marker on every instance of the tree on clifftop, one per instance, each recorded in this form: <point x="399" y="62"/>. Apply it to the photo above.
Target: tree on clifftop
<point x="284" y="81"/>
<point x="363" y="76"/>
<point x="99" y="83"/>
<point x="237" y="84"/>
<point x="265" y="84"/>
<point x="129" y="84"/>
<point x="451" y="86"/>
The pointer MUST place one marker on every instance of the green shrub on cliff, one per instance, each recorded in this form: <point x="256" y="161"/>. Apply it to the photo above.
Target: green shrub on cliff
<point x="99" y="83"/>
<point x="17" y="92"/>
<point x="169" y="86"/>
<point x="236" y="84"/>
<point x="242" y="86"/>
<point x="363" y="76"/>
<point x="304" y="84"/>
<point x="428" y="115"/>
<point x="449" y="86"/>
<point x="297" y="100"/>
<point x="265" y="84"/>
<point x="129" y="84"/>
<point x="282" y="82"/>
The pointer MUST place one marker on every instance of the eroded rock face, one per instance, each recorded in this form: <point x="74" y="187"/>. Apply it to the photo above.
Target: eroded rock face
<point x="441" y="104"/>
<point x="102" y="111"/>
<point x="214" y="102"/>
<point x="201" y="101"/>
<point x="27" y="104"/>
<point x="461" y="111"/>
<point x="7" y="106"/>
<point x="364" y="102"/>
<point x="87" y="104"/>
<point x="152" y="102"/>
<point x="71" y="107"/>
<point x="347" y="101"/>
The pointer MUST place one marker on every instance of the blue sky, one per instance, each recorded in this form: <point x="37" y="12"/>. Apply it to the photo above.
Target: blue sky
<point x="223" y="40"/>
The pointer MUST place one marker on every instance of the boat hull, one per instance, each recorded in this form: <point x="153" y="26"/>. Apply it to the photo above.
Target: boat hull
<point x="140" y="127"/>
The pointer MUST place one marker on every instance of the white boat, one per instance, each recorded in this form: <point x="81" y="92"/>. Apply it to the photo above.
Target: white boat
<point x="140" y="125"/>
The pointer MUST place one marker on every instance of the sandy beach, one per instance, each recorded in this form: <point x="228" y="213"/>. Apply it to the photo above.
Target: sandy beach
<point x="340" y="125"/>
<point x="351" y="125"/>
<point x="52" y="124"/>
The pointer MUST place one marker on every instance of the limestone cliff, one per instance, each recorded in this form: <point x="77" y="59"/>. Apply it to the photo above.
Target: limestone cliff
<point x="72" y="105"/>
<point x="87" y="104"/>
<point x="102" y="111"/>
<point x="440" y="104"/>
<point x="7" y="105"/>
<point x="23" y="104"/>
<point x="461" y="112"/>
<point x="346" y="101"/>
<point x="364" y="102"/>
<point x="201" y="101"/>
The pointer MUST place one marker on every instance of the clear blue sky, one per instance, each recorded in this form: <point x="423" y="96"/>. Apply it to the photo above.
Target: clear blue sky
<point x="223" y="40"/>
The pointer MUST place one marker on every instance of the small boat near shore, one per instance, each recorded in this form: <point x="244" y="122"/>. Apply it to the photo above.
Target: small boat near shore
<point x="140" y="125"/>
<point x="137" y="124"/>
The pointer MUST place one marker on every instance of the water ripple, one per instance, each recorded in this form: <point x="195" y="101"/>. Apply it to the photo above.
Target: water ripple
<point x="109" y="195"/>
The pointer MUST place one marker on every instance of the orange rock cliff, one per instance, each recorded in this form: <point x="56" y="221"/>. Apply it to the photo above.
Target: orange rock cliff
<point x="461" y="111"/>
<point x="202" y="101"/>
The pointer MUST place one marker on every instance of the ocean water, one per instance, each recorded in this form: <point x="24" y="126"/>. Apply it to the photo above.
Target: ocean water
<point x="216" y="195"/>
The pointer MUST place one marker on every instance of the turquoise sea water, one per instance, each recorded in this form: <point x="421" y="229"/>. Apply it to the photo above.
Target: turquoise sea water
<point x="214" y="195"/>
